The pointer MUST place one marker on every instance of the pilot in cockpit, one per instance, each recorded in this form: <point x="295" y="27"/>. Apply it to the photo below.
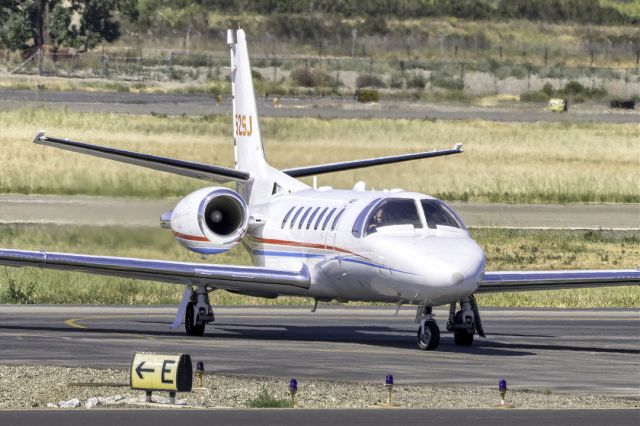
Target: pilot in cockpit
<point x="376" y="221"/>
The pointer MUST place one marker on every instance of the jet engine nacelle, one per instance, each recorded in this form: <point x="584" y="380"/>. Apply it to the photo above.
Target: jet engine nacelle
<point x="210" y="220"/>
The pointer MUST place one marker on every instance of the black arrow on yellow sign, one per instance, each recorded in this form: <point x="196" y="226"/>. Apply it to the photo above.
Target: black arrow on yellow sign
<point x="140" y="370"/>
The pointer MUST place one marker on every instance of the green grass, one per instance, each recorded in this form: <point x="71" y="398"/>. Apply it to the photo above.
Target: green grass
<point x="503" y="162"/>
<point x="266" y="399"/>
<point x="506" y="250"/>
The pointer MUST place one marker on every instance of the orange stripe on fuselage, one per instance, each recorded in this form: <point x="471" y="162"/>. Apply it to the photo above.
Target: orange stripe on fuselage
<point x="301" y="244"/>
<point x="190" y="237"/>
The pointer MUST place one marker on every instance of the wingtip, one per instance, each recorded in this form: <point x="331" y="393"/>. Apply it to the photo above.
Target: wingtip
<point x="458" y="147"/>
<point x="39" y="137"/>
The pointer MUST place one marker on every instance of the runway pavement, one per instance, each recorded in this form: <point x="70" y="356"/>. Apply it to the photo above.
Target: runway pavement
<point x="80" y="210"/>
<point x="326" y="107"/>
<point x="592" y="351"/>
<point x="374" y="417"/>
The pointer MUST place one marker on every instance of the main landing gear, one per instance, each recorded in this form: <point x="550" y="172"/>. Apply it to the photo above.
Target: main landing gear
<point x="198" y="313"/>
<point x="463" y="323"/>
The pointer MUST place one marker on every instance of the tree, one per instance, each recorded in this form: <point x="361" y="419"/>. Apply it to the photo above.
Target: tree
<point x="76" y="23"/>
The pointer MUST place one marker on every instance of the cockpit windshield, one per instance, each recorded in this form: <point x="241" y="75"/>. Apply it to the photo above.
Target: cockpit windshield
<point x="438" y="214"/>
<point x="393" y="212"/>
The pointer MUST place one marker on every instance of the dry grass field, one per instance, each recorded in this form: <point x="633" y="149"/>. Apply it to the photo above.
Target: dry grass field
<point x="506" y="250"/>
<point x="506" y="162"/>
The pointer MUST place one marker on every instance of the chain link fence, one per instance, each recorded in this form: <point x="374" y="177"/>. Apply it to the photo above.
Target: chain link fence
<point x="490" y="76"/>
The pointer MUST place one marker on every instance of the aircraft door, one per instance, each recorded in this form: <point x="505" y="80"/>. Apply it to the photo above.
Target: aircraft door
<point x="332" y="232"/>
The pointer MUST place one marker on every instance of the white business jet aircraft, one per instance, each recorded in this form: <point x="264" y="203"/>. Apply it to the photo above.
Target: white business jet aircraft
<point x="326" y="244"/>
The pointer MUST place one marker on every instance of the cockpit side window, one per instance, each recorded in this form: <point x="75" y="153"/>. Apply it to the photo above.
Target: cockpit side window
<point x="394" y="212"/>
<point x="438" y="214"/>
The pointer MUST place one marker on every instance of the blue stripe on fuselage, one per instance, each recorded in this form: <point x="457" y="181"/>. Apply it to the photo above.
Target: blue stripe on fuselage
<point x="312" y="255"/>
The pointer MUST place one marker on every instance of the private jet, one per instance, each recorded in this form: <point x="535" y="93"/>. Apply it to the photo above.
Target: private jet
<point x="325" y="244"/>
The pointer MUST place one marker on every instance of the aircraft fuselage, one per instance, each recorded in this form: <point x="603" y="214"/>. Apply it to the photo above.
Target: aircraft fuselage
<point x="349" y="258"/>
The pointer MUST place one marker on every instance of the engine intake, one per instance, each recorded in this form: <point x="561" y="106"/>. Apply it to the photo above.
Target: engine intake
<point x="210" y="220"/>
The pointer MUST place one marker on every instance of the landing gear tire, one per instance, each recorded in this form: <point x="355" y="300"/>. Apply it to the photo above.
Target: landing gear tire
<point x="428" y="336"/>
<point x="462" y="337"/>
<point x="189" y="322"/>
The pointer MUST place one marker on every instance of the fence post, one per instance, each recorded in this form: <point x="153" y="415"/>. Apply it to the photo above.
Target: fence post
<point x="170" y="65"/>
<point x="39" y="61"/>
<point x="354" y="36"/>
<point x="546" y="55"/>
<point x="462" y="75"/>
<point x="105" y="66"/>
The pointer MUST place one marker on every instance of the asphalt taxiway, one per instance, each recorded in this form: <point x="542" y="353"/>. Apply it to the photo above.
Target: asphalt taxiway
<point x="324" y="107"/>
<point x="83" y="210"/>
<point x="375" y="417"/>
<point x="592" y="351"/>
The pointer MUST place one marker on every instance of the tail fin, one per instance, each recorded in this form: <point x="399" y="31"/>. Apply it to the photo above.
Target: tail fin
<point x="249" y="153"/>
<point x="247" y="139"/>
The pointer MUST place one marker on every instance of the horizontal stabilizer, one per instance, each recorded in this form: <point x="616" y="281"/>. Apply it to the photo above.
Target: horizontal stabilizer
<point x="179" y="167"/>
<point x="495" y="282"/>
<point x="228" y="277"/>
<point x="369" y="162"/>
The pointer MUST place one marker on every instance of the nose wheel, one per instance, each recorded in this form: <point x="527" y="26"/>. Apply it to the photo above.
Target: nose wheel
<point x="428" y="332"/>
<point x="428" y="335"/>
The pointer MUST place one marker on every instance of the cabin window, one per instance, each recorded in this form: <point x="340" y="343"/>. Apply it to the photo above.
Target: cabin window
<point x="295" y="216"/>
<point x="438" y="213"/>
<point x="393" y="212"/>
<point x="315" y="212"/>
<point x="286" y="217"/>
<point x="304" y="216"/>
<point x="322" y="213"/>
<point x="326" y="221"/>
<point x="337" y="219"/>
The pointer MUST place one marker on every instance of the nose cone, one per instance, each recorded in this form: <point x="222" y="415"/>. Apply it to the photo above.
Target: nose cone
<point x="443" y="265"/>
<point x="450" y="262"/>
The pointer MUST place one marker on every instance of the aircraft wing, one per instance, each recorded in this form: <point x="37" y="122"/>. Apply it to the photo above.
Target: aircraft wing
<point x="369" y="162"/>
<point x="180" y="167"/>
<point x="494" y="282"/>
<point x="245" y="279"/>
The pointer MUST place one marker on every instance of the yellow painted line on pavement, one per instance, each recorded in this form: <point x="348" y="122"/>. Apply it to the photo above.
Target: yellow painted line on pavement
<point x="73" y="322"/>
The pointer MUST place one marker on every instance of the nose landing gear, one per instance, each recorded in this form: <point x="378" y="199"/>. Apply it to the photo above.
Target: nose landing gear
<point x="198" y="313"/>
<point x="428" y="332"/>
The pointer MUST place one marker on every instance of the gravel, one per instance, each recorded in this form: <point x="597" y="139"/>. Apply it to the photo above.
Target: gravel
<point x="84" y="388"/>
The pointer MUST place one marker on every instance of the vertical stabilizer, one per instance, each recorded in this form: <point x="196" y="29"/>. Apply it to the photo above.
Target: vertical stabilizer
<point x="249" y="154"/>
<point x="247" y="139"/>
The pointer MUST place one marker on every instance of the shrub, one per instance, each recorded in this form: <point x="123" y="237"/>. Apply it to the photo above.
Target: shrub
<point x="447" y="82"/>
<point x="312" y="77"/>
<point x="573" y="88"/>
<point x="416" y="81"/>
<point x="266" y="400"/>
<point x="369" y="80"/>
<point x="539" y="96"/>
<point x="367" y="95"/>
